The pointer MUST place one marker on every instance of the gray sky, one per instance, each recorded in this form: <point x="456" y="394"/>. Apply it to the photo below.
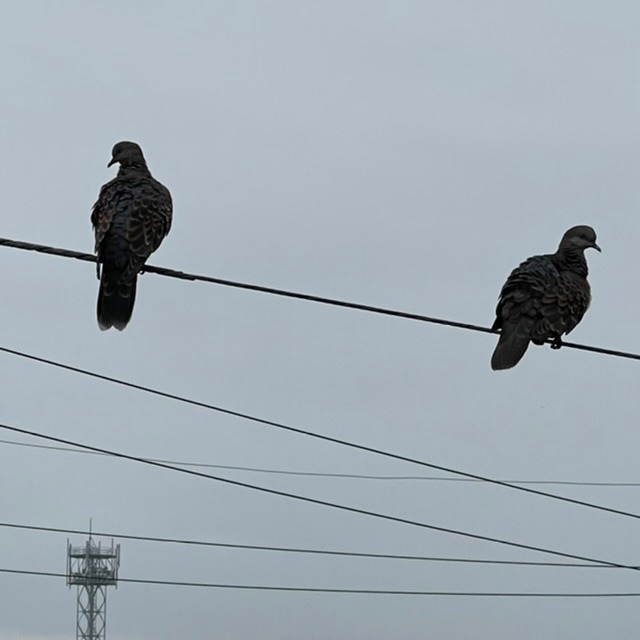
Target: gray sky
<point x="402" y="154"/>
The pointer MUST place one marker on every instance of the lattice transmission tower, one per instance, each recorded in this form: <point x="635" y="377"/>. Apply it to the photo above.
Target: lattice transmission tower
<point x="92" y="568"/>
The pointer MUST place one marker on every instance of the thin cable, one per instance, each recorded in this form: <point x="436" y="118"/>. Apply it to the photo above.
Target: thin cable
<point x="318" y="474"/>
<point x="317" y="436"/>
<point x="181" y="275"/>
<point x="317" y="501"/>
<point x="377" y="592"/>
<point x="328" y="552"/>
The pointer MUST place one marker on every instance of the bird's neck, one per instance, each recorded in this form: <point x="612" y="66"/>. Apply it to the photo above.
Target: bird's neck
<point x="134" y="168"/>
<point x="572" y="259"/>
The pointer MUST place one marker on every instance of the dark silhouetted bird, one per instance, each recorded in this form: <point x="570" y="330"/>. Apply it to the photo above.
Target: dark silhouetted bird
<point x="130" y="219"/>
<point x="544" y="298"/>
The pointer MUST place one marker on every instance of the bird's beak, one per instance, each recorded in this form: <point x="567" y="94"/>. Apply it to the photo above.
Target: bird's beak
<point x="112" y="161"/>
<point x="596" y="247"/>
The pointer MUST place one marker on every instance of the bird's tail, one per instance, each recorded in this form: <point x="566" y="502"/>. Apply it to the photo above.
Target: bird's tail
<point x="512" y="345"/>
<point x="115" y="299"/>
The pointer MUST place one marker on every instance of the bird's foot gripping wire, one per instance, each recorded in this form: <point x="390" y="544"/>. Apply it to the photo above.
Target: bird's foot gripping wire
<point x="556" y="343"/>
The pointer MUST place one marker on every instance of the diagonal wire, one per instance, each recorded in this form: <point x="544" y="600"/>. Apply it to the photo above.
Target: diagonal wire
<point x="182" y="275"/>
<point x="317" y="501"/>
<point x="324" y="552"/>
<point x="371" y="592"/>
<point x="312" y="434"/>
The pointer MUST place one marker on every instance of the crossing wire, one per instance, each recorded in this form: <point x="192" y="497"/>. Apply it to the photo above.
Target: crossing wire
<point x="320" y="474"/>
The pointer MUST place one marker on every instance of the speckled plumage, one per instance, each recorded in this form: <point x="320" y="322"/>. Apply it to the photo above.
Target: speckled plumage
<point x="130" y="219"/>
<point x="544" y="298"/>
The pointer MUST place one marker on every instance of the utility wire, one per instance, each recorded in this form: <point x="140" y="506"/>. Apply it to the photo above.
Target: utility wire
<point x="317" y="501"/>
<point x="327" y="552"/>
<point x="312" y="434"/>
<point x="181" y="275"/>
<point x="377" y="592"/>
<point x="318" y="474"/>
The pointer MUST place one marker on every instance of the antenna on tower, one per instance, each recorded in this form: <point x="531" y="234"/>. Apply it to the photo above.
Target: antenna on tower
<point x="92" y="568"/>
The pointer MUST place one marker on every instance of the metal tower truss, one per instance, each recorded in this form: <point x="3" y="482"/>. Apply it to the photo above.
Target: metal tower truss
<point x="92" y="568"/>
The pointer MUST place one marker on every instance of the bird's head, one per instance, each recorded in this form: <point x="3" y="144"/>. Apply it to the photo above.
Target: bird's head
<point x="580" y="237"/>
<point x="127" y="154"/>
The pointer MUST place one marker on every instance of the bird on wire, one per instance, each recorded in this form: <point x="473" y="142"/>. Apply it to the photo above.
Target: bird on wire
<point x="543" y="298"/>
<point x="130" y="219"/>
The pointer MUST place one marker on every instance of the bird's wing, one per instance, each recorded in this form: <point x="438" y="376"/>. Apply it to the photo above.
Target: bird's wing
<point x="104" y="210"/>
<point x="523" y="293"/>
<point x="565" y="304"/>
<point x="149" y="221"/>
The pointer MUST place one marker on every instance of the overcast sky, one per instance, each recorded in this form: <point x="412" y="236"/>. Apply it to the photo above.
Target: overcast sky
<point x="401" y="154"/>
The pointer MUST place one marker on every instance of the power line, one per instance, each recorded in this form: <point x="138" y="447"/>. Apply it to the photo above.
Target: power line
<point x="318" y="474"/>
<point x="312" y="434"/>
<point x="327" y="552"/>
<point x="318" y="501"/>
<point x="181" y="275"/>
<point x="377" y="592"/>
